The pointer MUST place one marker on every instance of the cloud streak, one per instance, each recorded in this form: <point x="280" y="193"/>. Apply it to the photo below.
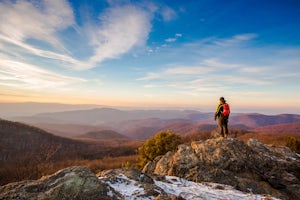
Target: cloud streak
<point x="239" y="68"/>
<point x="121" y="29"/>
<point x="30" y="33"/>
<point x="24" y="20"/>
<point x="175" y="72"/>
<point x="117" y="31"/>
<point x="204" y="77"/>
<point x="15" y="74"/>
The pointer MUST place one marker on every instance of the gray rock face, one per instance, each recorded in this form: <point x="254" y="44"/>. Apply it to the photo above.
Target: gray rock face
<point x="70" y="183"/>
<point x="252" y="167"/>
<point x="79" y="183"/>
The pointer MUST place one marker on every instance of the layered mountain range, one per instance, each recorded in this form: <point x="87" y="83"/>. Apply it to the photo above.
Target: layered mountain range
<point x="20" y="142"/>
<point x="141" y="124"/>
<point x="224" y="166"/>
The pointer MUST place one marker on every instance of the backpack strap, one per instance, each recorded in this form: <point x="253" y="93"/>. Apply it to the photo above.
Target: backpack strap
<point x="219" y="110"/>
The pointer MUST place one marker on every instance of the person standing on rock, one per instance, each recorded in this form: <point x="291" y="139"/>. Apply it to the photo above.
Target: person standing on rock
<point x="222" y="113"/>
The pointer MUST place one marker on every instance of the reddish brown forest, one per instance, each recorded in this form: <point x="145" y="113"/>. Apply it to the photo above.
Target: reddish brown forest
<point x="27" y="152"/>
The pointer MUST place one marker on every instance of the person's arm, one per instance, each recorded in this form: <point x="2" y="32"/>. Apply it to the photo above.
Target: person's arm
<point x="218" y="111"/>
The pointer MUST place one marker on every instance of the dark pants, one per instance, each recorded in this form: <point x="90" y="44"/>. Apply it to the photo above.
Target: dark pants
<point x="223" y="126"/>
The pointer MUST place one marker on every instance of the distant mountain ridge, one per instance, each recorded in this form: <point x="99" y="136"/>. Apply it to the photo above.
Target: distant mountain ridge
<point x="293" y="127"/>
<point x="103" y="134"/>
<point x="141" y="124"/>
<point x="9" y="110"/>
<point x="255" y="120"/>
<point x="98" y="116"/>
<point x="19" y="142"/>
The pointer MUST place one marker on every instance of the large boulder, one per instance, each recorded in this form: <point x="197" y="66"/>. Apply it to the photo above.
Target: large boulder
<point x="79" y="183"/>
<point x="71" y="183"/>
<point x="253" y="167"/>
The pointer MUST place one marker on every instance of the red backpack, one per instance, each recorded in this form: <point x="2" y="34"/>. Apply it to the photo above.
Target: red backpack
<point x="226" y="110"/>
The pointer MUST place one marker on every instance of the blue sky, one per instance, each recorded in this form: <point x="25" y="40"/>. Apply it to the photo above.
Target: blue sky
<point x="152" y="53"/>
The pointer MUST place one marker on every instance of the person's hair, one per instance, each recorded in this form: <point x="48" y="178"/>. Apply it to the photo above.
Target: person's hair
<point x="222" y="99"/>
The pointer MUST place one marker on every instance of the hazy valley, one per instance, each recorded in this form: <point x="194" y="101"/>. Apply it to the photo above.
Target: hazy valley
<point x="140" y="123"/>
<point x="38" y="144"/>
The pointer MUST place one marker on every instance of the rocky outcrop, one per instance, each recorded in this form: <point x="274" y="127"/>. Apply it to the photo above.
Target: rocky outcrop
<point x="71" y="183"/>
<point x="211" y="169"/>
<point x="79" y="183"/>
<point x="252" y="167"/>
<point x="131" y="184"/>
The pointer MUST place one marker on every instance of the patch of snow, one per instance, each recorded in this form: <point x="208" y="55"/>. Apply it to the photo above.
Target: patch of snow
<point x="110" y="193"/>
<point x="196" y="191"/>
<point x="128" y="188"/>
<point x="133" y="190"/>
<point x="292" y="158"/>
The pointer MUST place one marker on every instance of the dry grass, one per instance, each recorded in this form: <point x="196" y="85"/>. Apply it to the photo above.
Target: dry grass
<point x="269" y="138"/>
<point x="21" y="171"/>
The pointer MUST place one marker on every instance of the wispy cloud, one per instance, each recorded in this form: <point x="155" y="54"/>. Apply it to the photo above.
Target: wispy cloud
<point x="20" y="75"/>
<point x="117" y="31"/>
<point x="29" y="49"/>
<point x="24" y="20"/>
<point x="235" y="40"/>
<point x="168" y="14"/>
<point x="244" y="37"/>
<point x="30" y="41"/>
<point x="27" y="28"/>
<point x="235" y="63"/>
<point x="174" y="72"/>
<point x="174" y="39"/>
<point x="204" y="78"/>
<point x="239" y="68"/>
<point x="120" y="29"/>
